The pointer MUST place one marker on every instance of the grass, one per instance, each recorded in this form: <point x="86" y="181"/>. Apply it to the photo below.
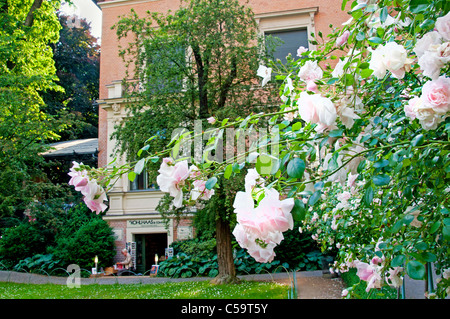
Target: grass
<point x="182" y="290"/>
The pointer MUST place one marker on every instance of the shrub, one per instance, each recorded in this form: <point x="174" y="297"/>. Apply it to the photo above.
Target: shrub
<point x="24" y="240"/>
<point x="93" y="238"/>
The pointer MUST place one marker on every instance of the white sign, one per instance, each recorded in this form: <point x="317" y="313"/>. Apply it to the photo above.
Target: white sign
<point x="184" y="232"/>
<point x="137" y="223"/>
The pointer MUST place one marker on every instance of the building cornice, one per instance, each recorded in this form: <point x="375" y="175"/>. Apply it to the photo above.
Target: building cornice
<point x="118" y="3"/>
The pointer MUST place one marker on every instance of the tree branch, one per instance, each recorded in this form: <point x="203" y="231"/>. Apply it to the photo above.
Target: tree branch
<point x="30" y="16"/>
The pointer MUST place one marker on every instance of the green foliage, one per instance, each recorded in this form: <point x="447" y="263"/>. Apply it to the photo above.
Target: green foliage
<point x="198" y="257"/>
<point x="65" y="235"/>
<point x="77" y="63"/>
<point x="20" y="242"/>
<point x="93" y="238"/>
<point x="26" y="71"/>
<point x="38" y="262"/>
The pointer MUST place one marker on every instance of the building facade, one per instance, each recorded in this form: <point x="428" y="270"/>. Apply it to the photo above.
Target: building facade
<point x="132" y="206"/>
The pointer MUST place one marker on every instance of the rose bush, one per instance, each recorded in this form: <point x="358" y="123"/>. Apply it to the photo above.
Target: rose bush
<point x="363" y="149"/>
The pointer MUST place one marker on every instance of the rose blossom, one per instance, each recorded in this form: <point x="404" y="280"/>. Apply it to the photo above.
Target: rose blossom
<point x="94" y="194"/>
<point x="409" y="108"/>
<point x="443" y="26"/>
<point x="437" y="94"/>
<point x="200" y="190"/>
<point x="310" y="71"/>
<point x="391" y="57"/>
<point x="79" y="178"/>
<point x="94" y="197"/>
<point x="316" y="109"/>
<point x="171" y="179"/>
<point x="265" y="73"/>
<point x="370" y="274"/>
<point x="423" y="44"/>
<point x="211" y="120"/>
<point x="430" y="63"/>
<point x="301" y="50"/>
<point x="343" y="38"/>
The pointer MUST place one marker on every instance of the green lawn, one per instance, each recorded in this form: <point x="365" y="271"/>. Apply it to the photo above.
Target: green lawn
<point x="183" y="290"/>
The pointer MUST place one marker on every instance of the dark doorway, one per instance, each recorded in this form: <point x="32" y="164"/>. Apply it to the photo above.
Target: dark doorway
<point x="147" y="246"/>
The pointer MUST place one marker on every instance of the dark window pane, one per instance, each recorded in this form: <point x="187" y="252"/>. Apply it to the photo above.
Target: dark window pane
<point x="291" y="40"/>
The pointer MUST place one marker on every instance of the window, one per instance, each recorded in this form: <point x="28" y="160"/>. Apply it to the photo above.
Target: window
<point x="291" y="40"/>
<point x="142" y="182"/>
<point x="292" y="27"/>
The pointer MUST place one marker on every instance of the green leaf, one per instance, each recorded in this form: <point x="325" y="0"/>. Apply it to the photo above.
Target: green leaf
<point x="131" y="176"/>
<point x="211" y="182"/>
<point x="139" y="166"/>
<point x="368" y="196"/>
<point x="314" y="197"/>
<point x="398" y="261"/>
<point x="381" y="163"/>
<point x="299" y="210"/>
<point x="417" y="6"/>
<point x="265" y="165"/>
<point x="428" y="257"/>
<point x="415" y="270"/>
<point x="360" y="36"/>
<point x="296" y="126"/>
<point x="365" y="73"/>
<point x="228" y="171"/>
<point x="376" y="40"/>
<point x="383" y="14"/>
<point x="344" y="3"/>
<point x="380" y="180"/>
<point x="296" y="168"/>
<point x="446" y="232"/>
<point x="435" y="227"/>
<point x="417" y="140"/>
<point x="336" y="133"/>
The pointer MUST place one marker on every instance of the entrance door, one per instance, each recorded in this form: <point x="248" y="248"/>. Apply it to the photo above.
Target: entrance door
<point x="147" y="246"/>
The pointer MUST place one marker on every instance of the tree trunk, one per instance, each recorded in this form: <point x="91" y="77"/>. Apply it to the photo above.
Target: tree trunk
<point x="227" y="270"/>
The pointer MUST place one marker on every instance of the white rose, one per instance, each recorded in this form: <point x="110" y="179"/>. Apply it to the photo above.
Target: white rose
<point x="377" y="64"/>
<point x="430" y="64"/>
<point x="423" y="44"/>
<point x="443" y="26"/>
<point x="395" y="56"/>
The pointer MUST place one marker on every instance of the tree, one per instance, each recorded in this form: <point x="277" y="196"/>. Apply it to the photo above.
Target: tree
<point x="193" y="64"/>
<point x="77" y="62"/>
<point x="26" y="70"/>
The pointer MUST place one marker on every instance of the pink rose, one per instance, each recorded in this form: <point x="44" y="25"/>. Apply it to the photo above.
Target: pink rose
<point x="94" y="197"/>
<point x="316" y="109"/>
<point x="436" y="94"/>
<point x="312" y="86"/>
<point x="343" y="38"/>
<point x="79" y="178"/>
<point x="211" y="120"/>
<point x="171" y="179"/>
<point x="409" y="108"/>
<point x="443" y="26"/>
<point x="200" y="191"/>
<point x="310" y="71"/>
